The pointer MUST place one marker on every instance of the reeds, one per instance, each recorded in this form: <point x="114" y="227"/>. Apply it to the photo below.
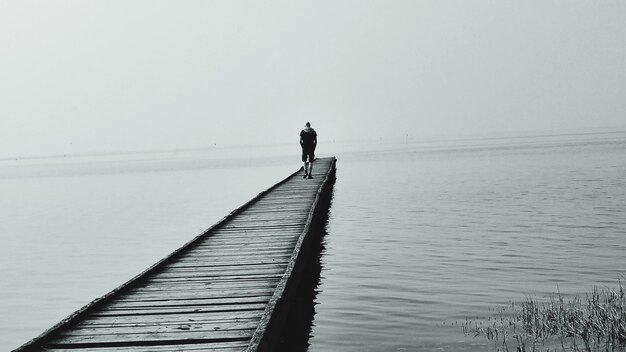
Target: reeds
<point x="595" y="323"/>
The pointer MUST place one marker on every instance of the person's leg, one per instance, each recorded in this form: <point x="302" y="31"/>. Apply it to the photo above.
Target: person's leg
<point x="304" y="158"/>
<point x="311" y="157"/>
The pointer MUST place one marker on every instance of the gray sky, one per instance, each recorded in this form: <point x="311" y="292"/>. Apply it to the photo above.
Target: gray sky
<point x="97" y="76"/>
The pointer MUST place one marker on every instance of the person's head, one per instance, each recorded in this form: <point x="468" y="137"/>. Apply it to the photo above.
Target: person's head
<point x="308" y="124"/>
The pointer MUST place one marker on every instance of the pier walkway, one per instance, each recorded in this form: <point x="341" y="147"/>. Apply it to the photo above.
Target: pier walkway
<point x="228" y="289"/>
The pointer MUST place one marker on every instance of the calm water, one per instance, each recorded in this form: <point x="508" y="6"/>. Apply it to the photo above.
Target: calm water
<point x="420" y="235"/>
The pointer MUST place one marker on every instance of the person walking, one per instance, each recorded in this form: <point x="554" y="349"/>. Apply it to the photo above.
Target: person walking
<point x="308" y="142"/>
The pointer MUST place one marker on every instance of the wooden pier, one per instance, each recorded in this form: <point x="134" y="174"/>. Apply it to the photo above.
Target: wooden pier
<point x="228" y="289"/>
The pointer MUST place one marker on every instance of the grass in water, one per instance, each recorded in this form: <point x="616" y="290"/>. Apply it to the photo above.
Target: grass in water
<point x="596" y="322"/>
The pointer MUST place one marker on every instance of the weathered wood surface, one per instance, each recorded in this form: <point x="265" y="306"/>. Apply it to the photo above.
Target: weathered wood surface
<point x="226" y="290"/>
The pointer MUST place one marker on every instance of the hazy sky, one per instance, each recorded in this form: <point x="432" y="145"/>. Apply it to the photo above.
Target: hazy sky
<point x="89" y="76"/>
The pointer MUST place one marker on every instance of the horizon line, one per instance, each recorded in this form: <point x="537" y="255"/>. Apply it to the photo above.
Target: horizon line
<point x="474" y="137"/>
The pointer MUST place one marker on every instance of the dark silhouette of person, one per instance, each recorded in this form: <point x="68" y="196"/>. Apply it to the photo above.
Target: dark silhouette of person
<point x="308" y="142"/>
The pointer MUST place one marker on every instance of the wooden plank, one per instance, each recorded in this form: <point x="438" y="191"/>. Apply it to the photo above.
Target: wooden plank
<point x="275" y="253"/>
<point x="118" y="312"/>
<point x="194" y="326"/>
<point x="231" y="346"/>
<point x="200" y="287"/>
<point x="186" y="302"/>
<point x="260" y="229"/>
<point x="226" y="285"/>
<point x="288" y="198"/>
<point x="214" y="285"/>
<point x="234" y="256"/>
<point x="272" y="246"/>
<point x="156" y="301"/>
<point x="169" y="337"/>
<point x="238" y="235"/>
<point x="197" y="264"/>
<point x="227" y="255"/>
<point x="186" y="262"/>
<point x="234" y="227"/>
<point x="216" y="278"/>
<point x="265" y="224"/>
<point x="204" y="275"/>
<point x="209" y="258"/>
<point x="274" y="210"/>
<point x="226" y="267"/>
<point x="193" y="294"/>
<point x="264" y="243"/>
<point x="248" y="236"/>
<point x="142" y="328"/>
<point x="251" y="239"/>
<point x="296" y="186"/>
<point x="156" y="319"/>
<point x="284" y="242"/>
<point x="234" y="240"/>
<point x="217" y="272"/>
<point x="281" y="204"/>
<point x="283" y="245"/>
<point x="274" y="214"/>
<point x="281" y="210"/>
<point x="251" y="227"/>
